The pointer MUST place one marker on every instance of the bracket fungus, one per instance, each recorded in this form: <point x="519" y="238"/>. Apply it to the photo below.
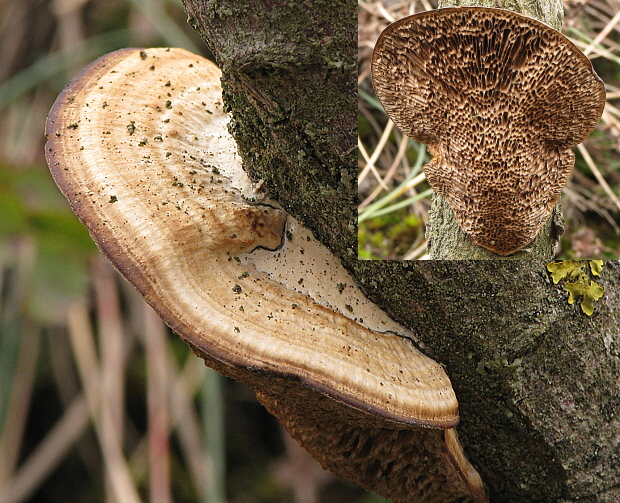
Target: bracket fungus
<point x="499" y="98"/>
<point x="138" y="143"/>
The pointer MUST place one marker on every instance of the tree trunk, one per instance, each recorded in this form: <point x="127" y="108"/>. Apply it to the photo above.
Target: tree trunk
<point x="290" y="81"/>
<point x="550" y="12"/>
<point x="447" y="241"/>
<point x="537" y="380"/>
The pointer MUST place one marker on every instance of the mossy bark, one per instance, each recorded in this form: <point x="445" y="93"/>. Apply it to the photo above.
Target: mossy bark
<point x="289" y="80"/>
<point x="537" y="380"/>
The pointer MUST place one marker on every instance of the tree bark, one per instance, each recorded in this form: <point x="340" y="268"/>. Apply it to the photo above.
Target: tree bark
<point x="537" y="380"/>
<point x="447" y="241"/>
<point x="290" y="81"/>
<point x="550" y="12"/>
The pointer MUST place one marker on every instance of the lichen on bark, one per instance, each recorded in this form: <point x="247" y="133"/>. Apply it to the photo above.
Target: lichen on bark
<point x="536" y="378"/>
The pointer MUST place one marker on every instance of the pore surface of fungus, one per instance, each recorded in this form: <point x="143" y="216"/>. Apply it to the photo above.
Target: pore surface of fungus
<point x="499" y="98"/>
<point x="138" y="143"/>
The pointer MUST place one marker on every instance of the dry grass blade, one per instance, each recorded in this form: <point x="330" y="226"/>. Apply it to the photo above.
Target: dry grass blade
<point x="157" y="399"/>
<point x="91" y="377"/>
<point x="111" y="417"/>
<point x="183" y="389"/>
<point x="417" y="253"/>
<point x="18" y="405"/>
<point x="48" y="454"/>
<point x="370" y="162"/>
<point x="402" y="148"/>
<point x="586" y="156"/>
<point x="603" y="33"/>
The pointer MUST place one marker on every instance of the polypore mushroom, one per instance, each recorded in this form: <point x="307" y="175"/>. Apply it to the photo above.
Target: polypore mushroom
<point x="499" y="98"/>
<point x="139" y="145"/>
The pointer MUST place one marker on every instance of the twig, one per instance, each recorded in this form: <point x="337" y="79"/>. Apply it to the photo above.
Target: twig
<point x="49" y="453"/>
<point x="157" y="399"/>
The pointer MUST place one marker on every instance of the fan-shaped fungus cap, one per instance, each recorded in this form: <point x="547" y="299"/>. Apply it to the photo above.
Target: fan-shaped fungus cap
<point x="499" y="99"/>
<point x="139" y="145"/>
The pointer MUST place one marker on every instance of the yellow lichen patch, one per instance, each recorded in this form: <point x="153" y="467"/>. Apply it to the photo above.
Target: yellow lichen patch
<point x="578" y="282"/>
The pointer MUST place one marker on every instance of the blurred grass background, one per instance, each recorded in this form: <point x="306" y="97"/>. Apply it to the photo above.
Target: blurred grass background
<point x="98" y="400"/>
<point x="394" y="196"/>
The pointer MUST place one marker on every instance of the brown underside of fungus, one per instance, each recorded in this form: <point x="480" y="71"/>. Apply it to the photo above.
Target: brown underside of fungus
<point x="499" y="98"/>
<point x="139" y="145"/>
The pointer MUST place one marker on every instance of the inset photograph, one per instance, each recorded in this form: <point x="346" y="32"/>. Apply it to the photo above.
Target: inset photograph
<point x="488" y="134"/>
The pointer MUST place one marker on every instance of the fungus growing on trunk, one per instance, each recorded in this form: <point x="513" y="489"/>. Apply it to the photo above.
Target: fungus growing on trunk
<point x="499" y="98"/>
<point x="139" y="145"/>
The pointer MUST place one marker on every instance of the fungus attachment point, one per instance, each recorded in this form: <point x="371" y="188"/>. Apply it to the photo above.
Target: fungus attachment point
<point x="499" y="98"/>
<point x="138" y="143"/>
